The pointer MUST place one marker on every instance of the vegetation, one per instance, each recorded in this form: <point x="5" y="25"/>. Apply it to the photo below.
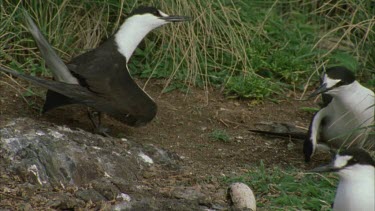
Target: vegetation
<point x="290" y="189"/>
<point x="254" y="49"/>
<point x="220" y="135"/>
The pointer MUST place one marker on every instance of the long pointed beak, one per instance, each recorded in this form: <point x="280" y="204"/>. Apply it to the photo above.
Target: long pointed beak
<point x="325" y="168"/>
<point x="323" y="88"/>
<point x="175" y="18"/>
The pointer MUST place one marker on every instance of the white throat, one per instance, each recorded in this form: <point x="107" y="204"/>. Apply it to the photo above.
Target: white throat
<point x="129" y="36"/>
<point x="133" y="30"/>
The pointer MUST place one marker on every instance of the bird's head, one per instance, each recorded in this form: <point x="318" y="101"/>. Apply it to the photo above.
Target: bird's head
<point x="151" y="18"/>
<point x="334" y="80"/>
<point x="348" y="161"/>
<point x="138" y="24"/>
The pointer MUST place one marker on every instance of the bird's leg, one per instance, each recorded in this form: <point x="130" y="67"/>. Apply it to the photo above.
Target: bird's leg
<point x="96" y="120"/>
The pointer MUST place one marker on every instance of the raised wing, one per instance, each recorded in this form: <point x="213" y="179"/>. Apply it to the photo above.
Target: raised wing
<point x="59" y="69"/>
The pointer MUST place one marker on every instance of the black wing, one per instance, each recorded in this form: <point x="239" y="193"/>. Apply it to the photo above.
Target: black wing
<point x="104" y="71"/>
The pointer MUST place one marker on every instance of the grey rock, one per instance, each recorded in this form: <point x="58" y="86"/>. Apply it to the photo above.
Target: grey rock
<point x="26" y="207"/>
<point x="90" y="195"/>
<point x="106" y="189"/>
<point x="122" y="206"/>
<point x="63" y="201"/>
<point x="61" y="168"/>
<point x="55" y="155"/>
<point x="188" y="193"/>
<point x="123" y="185"/>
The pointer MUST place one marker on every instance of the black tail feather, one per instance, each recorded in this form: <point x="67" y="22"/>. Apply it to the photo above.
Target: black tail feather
<point x="284" y="130"/>
<point x="292" y="135"/>
<point x="55" y="99"/>
<point x="69" y="90"/>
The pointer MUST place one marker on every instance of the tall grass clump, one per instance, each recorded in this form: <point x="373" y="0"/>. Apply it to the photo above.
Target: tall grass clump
<point x="253" y="49"/>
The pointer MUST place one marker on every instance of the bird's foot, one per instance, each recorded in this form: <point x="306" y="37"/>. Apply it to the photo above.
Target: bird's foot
<point x="95" y="118"/>
<point x="104" y="131"/>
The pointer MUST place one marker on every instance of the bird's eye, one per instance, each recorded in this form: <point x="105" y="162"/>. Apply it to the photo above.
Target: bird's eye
<point x="340" y="83"/>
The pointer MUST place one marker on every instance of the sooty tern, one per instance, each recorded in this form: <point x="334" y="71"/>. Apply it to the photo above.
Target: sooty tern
<point x="356" y="189"/>
<point x="347" y="115"/>
<point x="100" y="78"/>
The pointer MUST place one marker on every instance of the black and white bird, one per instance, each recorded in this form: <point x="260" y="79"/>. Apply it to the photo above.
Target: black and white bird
<point x="347" y="116"/>
<point x="100" y="78"/>
<point x="356" y="188"/>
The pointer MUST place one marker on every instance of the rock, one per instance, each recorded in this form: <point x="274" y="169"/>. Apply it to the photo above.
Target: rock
<point x="163" y="157"/>
<point x="106" y="189"/>
<point x="123" y="185"/>
<point x="26" y="207"/>
<point x="55" y="167"/>
<point x="42" y="154"/>
<point x="62" y="201"/>
<point x="188" y="193"/>
<point x="123" y="197"/>
<point x="90" y="195"/>
<point x="241" y="197"/>
<point x="122" y="206"/>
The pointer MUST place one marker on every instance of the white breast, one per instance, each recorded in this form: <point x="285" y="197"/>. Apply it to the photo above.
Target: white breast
<point x="349" y="111"/>
<point x="356" y="190"/>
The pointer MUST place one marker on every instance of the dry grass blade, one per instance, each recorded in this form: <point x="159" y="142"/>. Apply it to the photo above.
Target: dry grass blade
<point x="225" y="39"/>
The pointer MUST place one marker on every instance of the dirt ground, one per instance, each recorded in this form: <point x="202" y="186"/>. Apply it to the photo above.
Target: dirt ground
<point x="184" y="125"/>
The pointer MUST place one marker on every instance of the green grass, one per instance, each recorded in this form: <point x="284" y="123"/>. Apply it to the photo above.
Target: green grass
<point x="254" y="49"/>
<point x="289" y="189"/>
<point x="220" y="135"/>
<point x="253" y="87"/>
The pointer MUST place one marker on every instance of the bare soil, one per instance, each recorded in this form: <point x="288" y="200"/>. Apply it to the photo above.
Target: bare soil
<point x="184" y="125"/>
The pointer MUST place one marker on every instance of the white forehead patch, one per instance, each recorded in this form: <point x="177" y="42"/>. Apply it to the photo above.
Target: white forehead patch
<point x="329" y="81"/>
<point x="341" y="161"/>
<point x="163" y="14"/>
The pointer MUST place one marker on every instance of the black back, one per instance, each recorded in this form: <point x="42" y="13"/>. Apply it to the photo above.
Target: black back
<point x="103" y="71"/>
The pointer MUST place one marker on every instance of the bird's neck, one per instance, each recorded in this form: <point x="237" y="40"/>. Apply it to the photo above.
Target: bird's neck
<point x="358" y="174"/>
<point x="347" y="91"/>
<point x="129" y="36"/>
<point x="353" y="93"/>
